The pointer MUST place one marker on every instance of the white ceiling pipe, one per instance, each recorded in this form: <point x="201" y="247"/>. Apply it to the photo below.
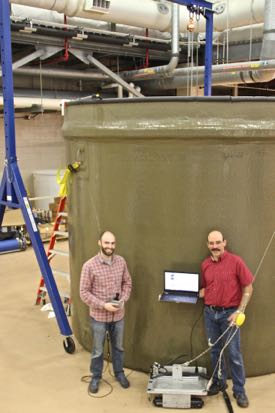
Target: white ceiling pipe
<point x="164" y="70"/>
<point x="155" y="14"/>
<point x="34" y="13"/>
<point x="139" y="13"/>
<point x="28" y="103"/>
<point x="240" y="34"/>
<point x="238" y="13"/>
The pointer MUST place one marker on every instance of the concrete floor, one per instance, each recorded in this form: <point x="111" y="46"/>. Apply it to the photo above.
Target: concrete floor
<point x="37" y="375"/>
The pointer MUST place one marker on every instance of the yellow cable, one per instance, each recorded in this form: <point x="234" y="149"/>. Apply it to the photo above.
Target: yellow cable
<point x="64" y="181"/>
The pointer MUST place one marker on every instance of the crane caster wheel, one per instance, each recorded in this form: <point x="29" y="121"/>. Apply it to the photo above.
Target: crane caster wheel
<point x="69" y="345"/>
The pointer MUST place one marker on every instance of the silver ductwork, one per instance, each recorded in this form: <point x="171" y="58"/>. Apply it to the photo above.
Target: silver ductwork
<point x="268" y="46"/>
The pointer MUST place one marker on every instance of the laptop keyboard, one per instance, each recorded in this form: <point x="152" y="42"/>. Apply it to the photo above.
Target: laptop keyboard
<point x="176" y="299"/>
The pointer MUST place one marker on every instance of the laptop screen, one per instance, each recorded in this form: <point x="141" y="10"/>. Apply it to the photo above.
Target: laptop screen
<point x="181" y="281"/>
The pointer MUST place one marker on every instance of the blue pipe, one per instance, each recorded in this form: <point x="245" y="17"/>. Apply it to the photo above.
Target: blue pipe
<point x="11" y="245"/>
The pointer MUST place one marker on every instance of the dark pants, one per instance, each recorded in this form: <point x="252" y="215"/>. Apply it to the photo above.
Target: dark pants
<point x="115" y="330"/>
<point x="216" y="323"/>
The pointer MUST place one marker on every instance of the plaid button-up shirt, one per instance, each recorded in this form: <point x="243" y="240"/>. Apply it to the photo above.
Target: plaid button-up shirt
<point x="100" y="282"/>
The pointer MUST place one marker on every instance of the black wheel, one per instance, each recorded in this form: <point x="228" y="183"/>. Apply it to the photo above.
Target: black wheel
<point x="69" y="345"/>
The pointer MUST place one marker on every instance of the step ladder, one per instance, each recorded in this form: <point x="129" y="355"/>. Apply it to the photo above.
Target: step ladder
<point x="52" y="251"/>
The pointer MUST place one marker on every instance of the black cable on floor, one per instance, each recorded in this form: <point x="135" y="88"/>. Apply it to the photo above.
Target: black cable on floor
<point x="227" y="401"/>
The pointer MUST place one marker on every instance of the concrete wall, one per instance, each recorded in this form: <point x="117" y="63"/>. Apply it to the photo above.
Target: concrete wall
<point x="39" y="142"/>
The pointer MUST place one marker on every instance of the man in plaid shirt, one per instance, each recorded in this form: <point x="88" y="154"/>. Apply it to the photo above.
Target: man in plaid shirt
<point x="105" y="285"/>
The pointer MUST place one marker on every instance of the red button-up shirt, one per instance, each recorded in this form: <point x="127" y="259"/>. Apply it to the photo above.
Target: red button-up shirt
<point x="224" y="280"/>
<point x="100" y="282"/>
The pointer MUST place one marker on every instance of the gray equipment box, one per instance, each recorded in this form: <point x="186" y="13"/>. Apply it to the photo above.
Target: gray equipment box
<point x="177" y="384"/>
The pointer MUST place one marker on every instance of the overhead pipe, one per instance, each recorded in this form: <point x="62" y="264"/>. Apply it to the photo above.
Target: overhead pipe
<point x="268" y="45"/>
<point x="46" y="17"/>
<point x="24" y="13"/>
<point x="29" y="102"/>
<point x="147" y="51"/>
<point x="244" y="34"/>
<point x="232" y="73"/>
<point x="138" y="13"/>
<point x="237" y="14"/>
<point x="165" y="70"/>
<point x="264" y="72"/>
<point x="98" y="36"/>
<point x="61" y="73"/>
<point x="153" y="14"/>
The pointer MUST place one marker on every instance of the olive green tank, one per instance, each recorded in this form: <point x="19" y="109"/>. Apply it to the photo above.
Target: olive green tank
<point x="161" y="173"/>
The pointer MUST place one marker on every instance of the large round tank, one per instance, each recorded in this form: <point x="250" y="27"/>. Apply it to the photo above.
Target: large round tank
<point x="160" y="173"/>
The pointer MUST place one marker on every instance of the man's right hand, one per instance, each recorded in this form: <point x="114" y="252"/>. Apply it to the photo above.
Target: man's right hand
<point x="202" y="292"/>
<point x="110" y="307"/>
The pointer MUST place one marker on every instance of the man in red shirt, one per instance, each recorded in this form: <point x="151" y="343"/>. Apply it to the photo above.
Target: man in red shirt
<point x="105" y="285"/>
<point x="226" y="288"/>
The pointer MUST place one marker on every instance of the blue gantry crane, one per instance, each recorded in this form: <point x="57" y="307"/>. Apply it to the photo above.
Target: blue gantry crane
<point x="201" y="7"/>
<point x="12" y="190"/>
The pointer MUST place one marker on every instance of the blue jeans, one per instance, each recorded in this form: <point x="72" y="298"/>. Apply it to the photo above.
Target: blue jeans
<point x="115" y="330"/>
<point x="216" y="323"/>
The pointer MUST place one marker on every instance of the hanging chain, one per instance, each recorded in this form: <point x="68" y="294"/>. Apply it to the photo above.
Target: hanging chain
<point x="41" y="87"/>
<point x="191" y="23"/>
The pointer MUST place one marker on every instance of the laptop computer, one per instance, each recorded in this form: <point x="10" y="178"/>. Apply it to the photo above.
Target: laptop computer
<point x="180" y="287"/>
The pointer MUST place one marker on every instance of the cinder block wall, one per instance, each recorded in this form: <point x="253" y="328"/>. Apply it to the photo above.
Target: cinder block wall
<point x="39" y="144"/>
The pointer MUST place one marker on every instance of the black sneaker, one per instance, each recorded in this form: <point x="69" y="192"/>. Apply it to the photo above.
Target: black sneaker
<point x="122" y="379"/>
<point x="242" y="399"/>
<point x="93" y="385"/>
<point x="215" y="388"/>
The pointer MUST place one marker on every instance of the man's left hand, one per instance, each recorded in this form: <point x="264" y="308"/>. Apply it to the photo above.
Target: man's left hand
<point x="232" y="317"/>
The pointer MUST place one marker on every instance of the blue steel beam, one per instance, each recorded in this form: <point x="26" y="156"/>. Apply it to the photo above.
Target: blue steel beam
<point x="208" y="52"/>
<point x="12" y="190"/>
<point x="199" y="3"/>
<point x="206" y="10"/>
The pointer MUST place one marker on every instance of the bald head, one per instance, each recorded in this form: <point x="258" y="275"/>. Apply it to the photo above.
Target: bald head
<point x="216" y="244"/>
<point x="107" y="244"/>
<point x="106" y="234"/>
<point x="215" y="234"/>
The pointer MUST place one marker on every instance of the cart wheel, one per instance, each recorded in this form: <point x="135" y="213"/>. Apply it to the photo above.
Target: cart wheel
<point x="69" y="345"/>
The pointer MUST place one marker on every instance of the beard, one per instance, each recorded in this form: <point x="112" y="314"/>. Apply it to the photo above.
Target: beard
<point x="108" y="251"/>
